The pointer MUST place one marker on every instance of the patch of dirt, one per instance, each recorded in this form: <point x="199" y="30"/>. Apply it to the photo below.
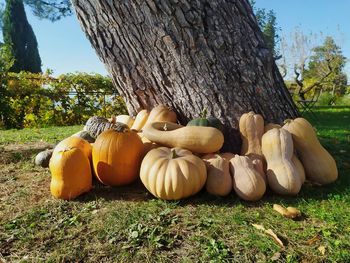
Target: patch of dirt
<point x="14" y="153"/>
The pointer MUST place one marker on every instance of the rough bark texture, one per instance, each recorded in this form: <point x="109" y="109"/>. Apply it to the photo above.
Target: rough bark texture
<point x="190" y="55"/>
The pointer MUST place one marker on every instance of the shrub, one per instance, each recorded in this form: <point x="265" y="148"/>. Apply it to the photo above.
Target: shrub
<point x="344" y="100"/>
<point x="41" y="100"/>
<point x="326" y="99"/>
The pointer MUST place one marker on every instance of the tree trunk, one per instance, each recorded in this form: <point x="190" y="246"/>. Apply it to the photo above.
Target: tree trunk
<point x="189" y="55"/>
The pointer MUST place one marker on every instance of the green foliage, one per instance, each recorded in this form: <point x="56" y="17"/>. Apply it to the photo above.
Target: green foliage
<point x="38" y="100"/>
<point x="344" y="100"/>
<point x="328" y="57"/>
<point x="50" y="9"/>
<point x="19" y="35"/>
<point x="268" y="25"/>
<point x="326" y="99"/>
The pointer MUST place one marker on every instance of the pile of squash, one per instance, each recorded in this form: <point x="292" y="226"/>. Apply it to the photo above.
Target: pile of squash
<point x="175" y="161"/>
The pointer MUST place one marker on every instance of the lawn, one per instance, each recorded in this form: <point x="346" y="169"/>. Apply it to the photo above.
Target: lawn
<point x="126" y="224"/>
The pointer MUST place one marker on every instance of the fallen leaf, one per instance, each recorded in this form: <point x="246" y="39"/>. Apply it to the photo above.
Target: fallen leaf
<point x="276" y="256"/>
<point x="275" y="237"/>
<point x="260" y="227"/>
<point x="270" y="233"/>
<point x="322" y="249"/>
<point x="289" y="212"/>
<point x="313" y="240"/>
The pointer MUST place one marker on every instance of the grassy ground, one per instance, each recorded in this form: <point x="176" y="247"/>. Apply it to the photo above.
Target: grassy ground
<point x="126" y="224"/>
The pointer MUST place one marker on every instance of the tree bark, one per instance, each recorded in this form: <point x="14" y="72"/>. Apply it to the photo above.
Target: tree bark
<point x="189" y="55"/>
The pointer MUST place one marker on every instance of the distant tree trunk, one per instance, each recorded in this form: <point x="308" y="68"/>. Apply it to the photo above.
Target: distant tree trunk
<point x="189" y="55"/>
<point x="19" y="35"/>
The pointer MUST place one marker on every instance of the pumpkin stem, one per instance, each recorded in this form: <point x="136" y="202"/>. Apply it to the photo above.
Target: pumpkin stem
<point x="203" y="114"/>
<point x="287" y="121"/>
<point x="173" y="154"/>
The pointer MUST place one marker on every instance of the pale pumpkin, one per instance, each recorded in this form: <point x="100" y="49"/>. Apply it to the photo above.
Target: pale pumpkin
<point x="71" y="173"/>
<point x="320" y="167"/>
<point x="126" y="119"/>
<point x="172" y="174"/>
<point x="251" y="127"/>
<point x="219" y="179"/>
<point x="161" y="113"/>
<point x="194" y="138"/>
<point x="140" y="120"/>
<point x="77" y="142"/>
<point x="247" y="181"/>
<point x="283" y="175"/>
<point x="270" y="126"/>
<point x="117" y="155"/>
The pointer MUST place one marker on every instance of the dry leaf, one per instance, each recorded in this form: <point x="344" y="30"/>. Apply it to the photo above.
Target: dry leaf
<point x="313" y="240"/>
<point x="276" y="256"/>
<point x="289" y="212"/>
<point x="275" y="237"/>
<point x="260" y="227"/>
<point x="293" y="211"/>
<point x="322" y="249"/>
<point x="270" y="233"/>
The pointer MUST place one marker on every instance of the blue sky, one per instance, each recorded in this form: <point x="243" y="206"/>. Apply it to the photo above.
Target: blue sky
<point x="64" y="48"/>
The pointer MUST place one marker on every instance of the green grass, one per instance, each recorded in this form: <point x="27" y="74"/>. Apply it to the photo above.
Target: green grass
<point x="50" y="134"/>
<point x="126" y="224"/>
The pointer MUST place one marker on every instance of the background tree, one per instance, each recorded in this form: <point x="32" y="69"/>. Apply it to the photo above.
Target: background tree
<point x="268" y="24"/>
<point x="19" y="35"/>
<point x="327" y="63"/>
<point x="189" y="55"/>
<point x="50" y="9"/>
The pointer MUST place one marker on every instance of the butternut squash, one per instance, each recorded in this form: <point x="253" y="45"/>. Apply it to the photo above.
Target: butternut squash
<point x="140" y="120"/>
<point x="283" y="175"/>
<point x="251" y="127"/>
<point x="125" y="119"/>
<point x="161" y="113"/>
<point x="247" y="182"/>
<point x="219" y="180"/>
<point x="319" y="165"/>
<point x="194" y="138"/>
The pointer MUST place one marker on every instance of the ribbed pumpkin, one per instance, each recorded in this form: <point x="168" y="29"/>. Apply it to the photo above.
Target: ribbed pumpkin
<point x="71" y="173"/>
<point x="72" y="142"/>
<point x="219" y="179"/>
<point x="117" y="156"/>
<point x="319" y="165"/>
<point x="96" y="125"/>
<point x="270" y="126"/>
<point x="172" y="174"/>
<point x="140" y="120"/>
<point x="161" y="113"/>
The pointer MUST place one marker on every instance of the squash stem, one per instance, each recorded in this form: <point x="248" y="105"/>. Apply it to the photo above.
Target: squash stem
<point x="173" y="154"/>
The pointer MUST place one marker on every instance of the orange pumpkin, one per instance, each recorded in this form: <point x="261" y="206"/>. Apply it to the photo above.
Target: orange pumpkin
<point x="117" y="156"/>
<point x="71" y="173"/>
<point x="72" y="142"/>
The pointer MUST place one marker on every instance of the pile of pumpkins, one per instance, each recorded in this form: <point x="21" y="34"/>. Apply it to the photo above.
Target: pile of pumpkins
<point x="175" y="161"/>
